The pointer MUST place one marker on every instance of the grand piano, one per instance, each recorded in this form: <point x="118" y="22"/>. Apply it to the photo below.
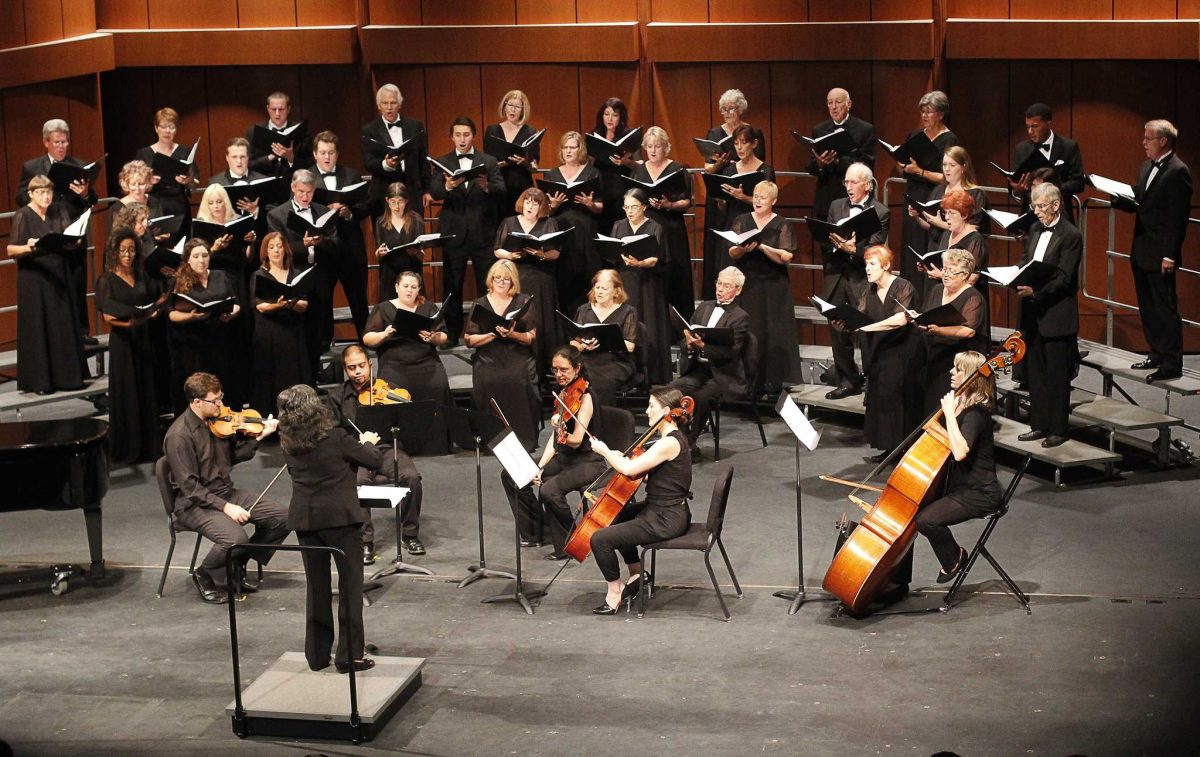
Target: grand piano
<point x="57" y="465"/>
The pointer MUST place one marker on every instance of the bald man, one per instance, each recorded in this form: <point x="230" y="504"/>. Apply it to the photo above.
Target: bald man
<point x="829" y="166"/>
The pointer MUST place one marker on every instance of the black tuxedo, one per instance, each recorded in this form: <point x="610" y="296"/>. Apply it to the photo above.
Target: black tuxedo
<point x="349" y="266"/>
<point x="469" y="213"/>
<point x="318" y="318"/>
<point x="1162" y="219"/>
<point x="415" y="172"/>
<point x="829" y="178"/>
<point x="845" y="282"/>
<point x="1050" y="322"/>
<point x="1069" y="172"/>
<point x="720" y="371"/>
<point x="265" y="162"/>
<point x="226" y="179"/>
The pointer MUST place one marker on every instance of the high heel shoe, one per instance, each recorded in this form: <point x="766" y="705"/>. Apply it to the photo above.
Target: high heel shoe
<point x="359" y="665"/>
<point x="947" y="576"/>
<point x="633" y="587"/>
<point x="605" y="609"/>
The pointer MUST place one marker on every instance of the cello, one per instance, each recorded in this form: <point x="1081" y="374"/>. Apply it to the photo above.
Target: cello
<point x="607" y="505"/>
<point x="885" y="534"/>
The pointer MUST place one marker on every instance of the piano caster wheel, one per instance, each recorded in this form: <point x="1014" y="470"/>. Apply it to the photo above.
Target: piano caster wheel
<point x="61" y="583"/>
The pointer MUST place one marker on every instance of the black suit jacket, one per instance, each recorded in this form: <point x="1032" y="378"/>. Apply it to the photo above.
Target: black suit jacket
<point x="468" y="212"/>
<point x="350" y="234"/>
<point x="260" y="160"/>
<point x="323" y="482"/>
<point x="277" y="221"/>
<point x="225" y="180"/>
<point x="838" y="262"/>
<point x="40" y="166"/>
<point x="725" y="362"/>
<point x="415" y="175"/>
<point x="829" y="178"/>
<point x="1053" y="310"/>
<point x="1162" y="213"/>
<point x="1070" y="171"/>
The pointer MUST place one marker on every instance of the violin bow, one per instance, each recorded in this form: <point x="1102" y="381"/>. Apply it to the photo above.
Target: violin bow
<point x="574" y="417"/>
<point x="282" y="468"/>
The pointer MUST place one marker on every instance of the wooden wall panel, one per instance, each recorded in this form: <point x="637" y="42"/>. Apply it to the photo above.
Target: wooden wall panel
<point x="598" y="83"/>
<point x="325" y="13"/>
<point x="333" y="98"/>
<point x="12" y="25"/>
<point x="485" y="12"/>
<point x="1142" y="9"/>
<point x="188" y="14"/>
<point x="681" y="107"/>
<point x="839" y="10"/>
<point x="1188" y="8"/>
<point x="545" y="12"/>
<point x="456" y="93"/>
<point x="1063" y="9"/>
<point x="260" y="13"/>
<point x="976" y="9"/>
<point x="600" y="11"/>
<point x="754" y="80"/>
<point x="78" y="16"/>
<point x="896" y="10"/>
<point x="43" y="21"/>
<point x="25" y="110"/>
<point x="122" y="14"/>
<point x="7" y="188"/>
<point x="398" y="12"/>
<point x="736" y="11"/>
<point x="679" y="11"/>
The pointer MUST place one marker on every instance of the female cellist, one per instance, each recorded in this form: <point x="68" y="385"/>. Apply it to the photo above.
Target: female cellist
<point x="567" y="463"/>
<point x="667" y="466"/>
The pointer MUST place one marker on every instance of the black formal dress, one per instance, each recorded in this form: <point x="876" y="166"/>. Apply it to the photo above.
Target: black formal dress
<point x="412" y="170"/>
<point x="976" y="244"/>
<point x="921" y="190"/>
<point x="846" y="279"/>
<point x="612" y="188"/>
<point x="325" y="512"/>
<point x="1050" y="323"/>
<point x="409" y="363"/>
<point x="767" y="299"/>
<point x="646" y="288"/>
<point x="678" y="275"/>
<point x="133" y="430"/>
<point x="1162" y="209"/>
<point x="609" y="371"/>
<point x="172" y="196"/>
<point x="719" y="372"/>
<point x="938" y="353"/>
<point x="469" y="214"/>
<point x="393" y="264"/>
<point x="203" y="345"/>
<point x="718" y="215"/>
<point x="538" y="279"/>
<point x="49" y="341"/>
<point x="1067" y="161"/>
<point x="506" y="371"/>
<point x="516" y="178"/>
<point x="579" y="259"/>
<point x="664" y="514"/>
<point x="280" y="355"/>
<point x="885" y="363"/>
<point x="238" y="261"/>
<point x="829" y="178"/>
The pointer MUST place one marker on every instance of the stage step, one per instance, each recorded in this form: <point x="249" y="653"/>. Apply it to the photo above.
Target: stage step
<point x="1111" y="362"/>
<point x="1070" y="454"/>
<point x="813" y="395"/>
<point x="18" y="401"/>
<point x="8" y="358"/>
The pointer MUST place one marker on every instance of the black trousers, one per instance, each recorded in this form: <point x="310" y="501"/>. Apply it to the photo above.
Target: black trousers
<point x="933" y="522"/>
<point x="700" y="385"/>
<point x="270" y="527"/>
<point x="844" y="289"/>
<point x="636" y="525"/>
<point x="318" y="605"/>
<point x="1051" y="368"/>
<point x="1161" y="323"/>
<point x="353" y="277"/>
<point x="318" y="320"/>
<point x="561" y="476"/>
<point x="410" y="508"/>
<point x="454" y="272"/>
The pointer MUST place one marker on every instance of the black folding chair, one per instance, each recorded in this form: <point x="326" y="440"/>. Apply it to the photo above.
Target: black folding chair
<point x="700" y="537"/>
<point x="750" y="366"/>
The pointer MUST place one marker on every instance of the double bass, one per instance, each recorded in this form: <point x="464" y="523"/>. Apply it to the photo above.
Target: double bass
<point x="607" y="505"/>
<point x="884" y="535"/>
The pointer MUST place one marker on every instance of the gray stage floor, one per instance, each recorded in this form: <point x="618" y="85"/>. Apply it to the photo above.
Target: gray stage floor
<point x="1106" y="664"/>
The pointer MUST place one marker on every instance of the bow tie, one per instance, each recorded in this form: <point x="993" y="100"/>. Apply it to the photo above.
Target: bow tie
<point x="860" y="206"/>
<point x="327" y="173"/>
<point x="1158" y="163"/>
<point x="393" y="125"/>
<point x="462" y="155"/>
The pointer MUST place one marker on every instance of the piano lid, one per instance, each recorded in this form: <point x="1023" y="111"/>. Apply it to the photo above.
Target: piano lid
<point x="49" y="435"/>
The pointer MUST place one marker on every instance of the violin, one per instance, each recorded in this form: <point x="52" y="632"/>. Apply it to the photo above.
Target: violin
<point x="620" y="489"/>
<point x="572" y="398"/>
<point x="229" y="422"/>
<point x="383" y="393"/>
<point x="872" y="551"/>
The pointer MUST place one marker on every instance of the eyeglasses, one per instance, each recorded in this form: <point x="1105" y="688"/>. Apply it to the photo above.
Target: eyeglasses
<point x="218" y="401"/>
<point x="501" y="280"/>
<point x="958" y="274"/>
<point x="556" y="369"/>
<point x="631" y="207"/>
<point x="1043" y="205"/>
<point x="517" y="105"/>
<point x="728" y="109"/>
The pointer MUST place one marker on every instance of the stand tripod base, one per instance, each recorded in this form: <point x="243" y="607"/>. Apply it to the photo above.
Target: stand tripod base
<point x="520" y="595"/>
<point x="399" y="566"/>
<point x="476" y="572"/>
<point x="799" y="597"/>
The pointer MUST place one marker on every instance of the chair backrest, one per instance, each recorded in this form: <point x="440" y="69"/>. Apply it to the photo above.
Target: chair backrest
<point x="1012" y="484"/>
<point x="162" y="472"/>
<point x="718" y="503"/>
<point x="616" y="427"/>
<point x="750" y="362"/>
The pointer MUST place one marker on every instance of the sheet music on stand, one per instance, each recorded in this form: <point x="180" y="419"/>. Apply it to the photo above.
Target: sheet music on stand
<point x="512" y="456"/>
<point x="391" y="495"/>
<point x="797" y="421"/>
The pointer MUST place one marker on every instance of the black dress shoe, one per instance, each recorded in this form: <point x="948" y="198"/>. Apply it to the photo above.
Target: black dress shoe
<point x="208" y="590"/>
<point x="1031" y="436"/>
<point x="1053" y="441"/>
<point x="1163" y="374"/>
<point x="359" y="665"/>
<point x="1145" y="365"/>
<point x="604" y="609"/>
<point x="557" y="556"/>
<point x="876" y="459"/>
<point x="414" y="545"/>
<point x="369" y="555"/>
<point x="530" y="542"/>
<point x="947" y="576"/>
<point x="633" y="587"/>
<point x="842" y="392"/>
<point x="696" y="456"/>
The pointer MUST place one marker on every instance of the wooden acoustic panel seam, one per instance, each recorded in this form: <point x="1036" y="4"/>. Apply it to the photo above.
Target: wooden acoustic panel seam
<point x="802" y="41"/>
<point x="62" y="59"/>
<point x="240" y="47"/>
<point x="534" y="43"/>
<point x="1072" y="40"/>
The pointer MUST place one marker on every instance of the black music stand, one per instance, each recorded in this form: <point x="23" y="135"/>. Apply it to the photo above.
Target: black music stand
<point x="469" y="429"/>
<point x="387" y="421"/>
<point x="372" y="503"/>
<point x="519" y="595"/>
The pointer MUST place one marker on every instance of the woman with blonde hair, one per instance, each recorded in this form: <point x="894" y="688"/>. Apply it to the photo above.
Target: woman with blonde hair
<point x="580" y="213"/>
<point x="607" y="370"/>
<point x="514" y="112"/>
<point x="172" y="192"/>
<point x="538" y="268"/>
<point x="668" y="211"/>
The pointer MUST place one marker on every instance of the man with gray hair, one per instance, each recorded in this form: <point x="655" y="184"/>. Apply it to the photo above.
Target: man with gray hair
<point x="711" y="370"/>
<point x="846" y="273"/>
<point x="380" y="137"/>
<point x="828" y="165"/>
<point x="1049" y="317"/>
<point x="1162" y="200"/>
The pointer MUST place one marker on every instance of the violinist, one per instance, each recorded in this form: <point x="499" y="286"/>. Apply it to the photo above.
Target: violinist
<point x="206" y="500"/>
<point x="664" y="514"/>
<point x="567" y="463"/>
<point x="359" y="381"/>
